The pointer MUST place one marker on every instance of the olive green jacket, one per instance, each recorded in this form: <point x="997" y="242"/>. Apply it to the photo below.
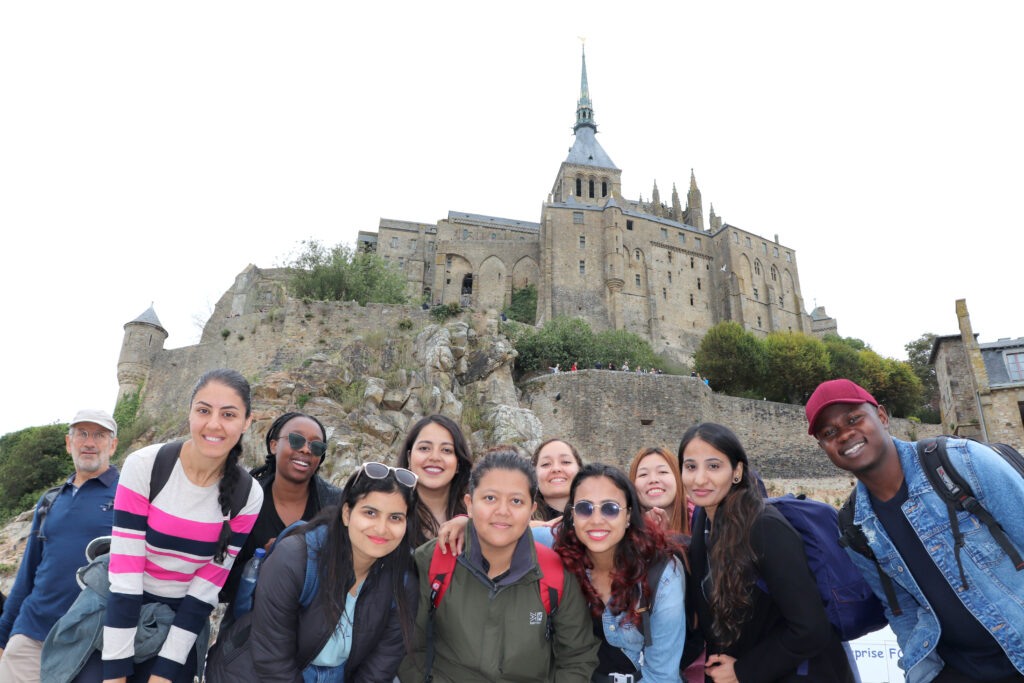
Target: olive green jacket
<point x="495" y="631"/>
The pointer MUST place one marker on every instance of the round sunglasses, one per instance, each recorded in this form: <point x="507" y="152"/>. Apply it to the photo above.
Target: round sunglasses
<point x="608" y="509"/>
<point x="297" y="441"/>
<point x="378" y="470"/>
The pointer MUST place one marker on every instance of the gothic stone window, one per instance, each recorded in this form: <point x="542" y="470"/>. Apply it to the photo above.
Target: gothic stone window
<point x="682" y="238"/>
<point x="758" y="298"/>
<point x="691" y="299"/>
<point x="759" y="321"/>
<point x="637" y="254"/>
<point x="789" y="257"/>
<point x="775" y="252"/>
<point x="465" y="233"/>
<point x="664" y="233"/>
<point x="579" y="187"/>
<point x="764" y="248"/>
<point x="604" y="188"/>
<point x="757" y="267"/>
<point x="577" y="217"/>
<point x="583" y="241"/>
<point x="636" y="279"/>
<point x="735" y="237"/>
<point x="629" y="224"/>
<point x="583" y="267"/>
<point x="698" y="283"/>
<point x="591" y="188"/>
<point x="775" y="274"/>
<point x="696" y="242"/>
<point x="748" y="240"/>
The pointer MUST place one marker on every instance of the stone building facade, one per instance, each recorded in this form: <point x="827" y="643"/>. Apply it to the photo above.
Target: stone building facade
<point x="651" y="267"/>
<point x="981" y="386"/>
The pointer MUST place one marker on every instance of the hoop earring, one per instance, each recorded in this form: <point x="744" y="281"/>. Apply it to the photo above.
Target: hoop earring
<point x="736" y="480"/>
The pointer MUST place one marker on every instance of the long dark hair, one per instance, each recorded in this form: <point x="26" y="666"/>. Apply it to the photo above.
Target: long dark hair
<point x="233" y="473"/>
<point x="542" y="505"/>
<point x="426" y="526"/>
<point x="335" y="570"/>
<point x="269" y="466"/>
<point x="642" y="545"/>
<point x="731" y="557"/>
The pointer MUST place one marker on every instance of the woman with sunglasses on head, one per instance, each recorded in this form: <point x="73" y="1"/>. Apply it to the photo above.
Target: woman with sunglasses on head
<point x="437" y="452"/>
<point x="755" y="598"/>
<point x="356" y="624"/>
<point x="556" y="463"/>
<point x="630" y="575"/>
<point x="292" y="488"/>
<point x="492" y="623"/>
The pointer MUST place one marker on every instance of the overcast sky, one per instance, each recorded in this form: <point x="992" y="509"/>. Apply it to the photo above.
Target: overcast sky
<point x="150" y="151"/>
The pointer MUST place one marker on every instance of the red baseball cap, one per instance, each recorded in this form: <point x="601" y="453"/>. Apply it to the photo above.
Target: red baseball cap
<point x="831" y="392"/>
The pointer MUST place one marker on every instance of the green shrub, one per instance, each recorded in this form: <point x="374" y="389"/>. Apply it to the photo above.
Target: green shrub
<point x="443" y="312"/>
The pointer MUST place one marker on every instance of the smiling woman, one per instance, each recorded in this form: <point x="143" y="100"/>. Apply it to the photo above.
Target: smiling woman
<point x="175" y="546"/>
<point x="494" y="590"/>
<point x="292" y="489"/>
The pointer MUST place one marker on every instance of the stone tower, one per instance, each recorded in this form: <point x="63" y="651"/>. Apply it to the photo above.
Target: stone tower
<point x="144" y="338"/>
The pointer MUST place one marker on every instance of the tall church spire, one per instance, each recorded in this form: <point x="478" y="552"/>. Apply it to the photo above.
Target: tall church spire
<point x="584" y="107"/>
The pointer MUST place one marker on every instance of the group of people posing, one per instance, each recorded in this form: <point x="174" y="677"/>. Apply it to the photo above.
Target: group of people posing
<point x="449" y="567"/>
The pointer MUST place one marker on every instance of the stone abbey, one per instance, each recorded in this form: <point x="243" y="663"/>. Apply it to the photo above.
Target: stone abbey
<point x="650" y="267"/>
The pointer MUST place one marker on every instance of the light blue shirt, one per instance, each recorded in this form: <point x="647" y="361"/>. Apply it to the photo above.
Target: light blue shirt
<point x="659" y="662"/>
<point x="335" y="652"/>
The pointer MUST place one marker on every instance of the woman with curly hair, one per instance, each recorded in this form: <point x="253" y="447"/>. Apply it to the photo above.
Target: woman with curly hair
<point x="292" y="488"/>
<point x="615" y="554"/>
<point x="751" y="583"/>
<point x="437" y="452"/>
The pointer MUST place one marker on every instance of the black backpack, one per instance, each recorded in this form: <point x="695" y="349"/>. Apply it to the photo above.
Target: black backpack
<point x="957" y="494"/>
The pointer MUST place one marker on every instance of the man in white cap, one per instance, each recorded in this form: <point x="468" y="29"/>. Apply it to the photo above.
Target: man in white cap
<point x="66" y="518"/>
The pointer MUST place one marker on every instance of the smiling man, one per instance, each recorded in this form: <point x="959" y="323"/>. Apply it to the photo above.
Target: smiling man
<point x="957" y="613"/>
<point x="65" y="520"/>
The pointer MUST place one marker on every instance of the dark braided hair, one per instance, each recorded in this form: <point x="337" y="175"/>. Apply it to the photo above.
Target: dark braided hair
<point x="232" y="475"/>
<point x="269" y="466"/>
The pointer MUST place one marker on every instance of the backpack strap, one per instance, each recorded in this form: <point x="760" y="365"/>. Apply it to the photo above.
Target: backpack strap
<point x="551" y="581"/>
<point x="957" y="494"/>
<point x="852" y="536"/>
<point x="442" y="566"/>
<point x="163" y="465"/>
<point x="311" y="583"/>
<point x="43" y="509"/>
<point x="654" y="574"/>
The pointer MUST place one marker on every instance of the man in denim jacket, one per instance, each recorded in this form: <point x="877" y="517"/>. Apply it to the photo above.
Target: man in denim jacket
<point x="948" y="632"/>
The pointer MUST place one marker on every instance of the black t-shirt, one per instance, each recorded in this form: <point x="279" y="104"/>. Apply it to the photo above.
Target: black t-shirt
<point x="268" y="525"/>
<point x="611" y="659"/>
<point x="964" y="644"/>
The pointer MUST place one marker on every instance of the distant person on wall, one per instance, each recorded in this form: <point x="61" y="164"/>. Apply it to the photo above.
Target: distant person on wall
<point x="177" y="549"/>
<point x="438" y="454"/>
<point x="556" y="463"/>
<point x="958" y="614"/>
<point x="81" y="509"/>
<point x="292" y="488"/>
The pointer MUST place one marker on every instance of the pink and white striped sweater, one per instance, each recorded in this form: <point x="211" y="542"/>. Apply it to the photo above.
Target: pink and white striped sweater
<point x="163" y="552"/>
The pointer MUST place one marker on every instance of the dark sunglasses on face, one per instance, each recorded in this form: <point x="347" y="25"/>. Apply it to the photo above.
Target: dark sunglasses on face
<point x="378" y="470"/>
<point x="608" y="509"/>
<point x="297" y="441"/>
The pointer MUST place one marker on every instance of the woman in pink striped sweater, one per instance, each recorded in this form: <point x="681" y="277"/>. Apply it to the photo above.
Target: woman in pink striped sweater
<point x="177" y="547"/>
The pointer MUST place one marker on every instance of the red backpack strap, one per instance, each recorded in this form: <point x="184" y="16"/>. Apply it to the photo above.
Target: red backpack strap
<point x="442" y="565"/>
<point x="553" y="578"/>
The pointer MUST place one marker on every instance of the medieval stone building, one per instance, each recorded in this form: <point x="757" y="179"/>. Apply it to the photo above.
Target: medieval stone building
<point x="650" y="267"/>
<point x="981" y="386"/>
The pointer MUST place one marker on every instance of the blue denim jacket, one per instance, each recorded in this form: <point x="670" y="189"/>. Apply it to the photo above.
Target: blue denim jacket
<point x="659" y="662"/>
<point x="996" y="589"/>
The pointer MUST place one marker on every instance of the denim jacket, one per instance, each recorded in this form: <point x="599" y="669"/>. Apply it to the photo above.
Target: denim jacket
<point x="659" y="662"/>
<point x="996" y="589"/>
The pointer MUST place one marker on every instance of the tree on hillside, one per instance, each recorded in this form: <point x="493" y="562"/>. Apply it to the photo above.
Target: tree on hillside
<point x="564" y="341"/>
<point x="918" y="353"/>
<point x="843" y="357"/>
<point x="339" y="274"/>
<point x="524" y="305"/>
<point x="31" y="460"/>
<point x="732" y="359"/>
<point x="795" y="364"/>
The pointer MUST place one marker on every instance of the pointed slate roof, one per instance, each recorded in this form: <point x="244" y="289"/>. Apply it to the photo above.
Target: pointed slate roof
<point x="586" y="150"/>
<point x="149" y="317"/>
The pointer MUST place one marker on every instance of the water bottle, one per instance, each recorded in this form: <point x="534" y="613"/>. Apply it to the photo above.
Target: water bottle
<point x="247" y="586"/>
